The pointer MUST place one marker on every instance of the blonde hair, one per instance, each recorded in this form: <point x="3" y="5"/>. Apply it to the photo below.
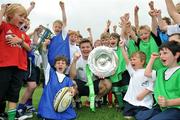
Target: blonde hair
<point x="178" y="7"/>
<point x="14" y="8"/>
<point x="58" y="22"/>
<point x="141" y="55"/>
<point x="145" y="27"/>
<point x="72" y="32"/>
<point x="105" y="35"/>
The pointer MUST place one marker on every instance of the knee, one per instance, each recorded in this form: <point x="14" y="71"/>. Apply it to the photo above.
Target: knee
<point x="32" y="85"/>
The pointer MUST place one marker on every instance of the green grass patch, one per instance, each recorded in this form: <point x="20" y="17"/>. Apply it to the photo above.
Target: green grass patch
<point x="103" y="113"/>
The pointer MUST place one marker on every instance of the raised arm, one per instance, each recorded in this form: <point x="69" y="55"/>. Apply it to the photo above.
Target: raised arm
<point x="107" y="28"/>
<point x="73" y="71"/>
<point x="152" y="13"/>
<point x="172" y="11"/>
<point x="32" y="5"/>
<point x="154" y="23"/>
<point x="64" y="18"/>
<point x="90" y="34"/>
<point x="160" y="21"/>
<point x="115" y="28"/>
<point x="44" y="53"/>
<point x="35" y="35"/>
<point x="136" y="18"/>
<point x="124" y="53"/>
<point x="2" y="12"/>
<point x="148" y="71"/>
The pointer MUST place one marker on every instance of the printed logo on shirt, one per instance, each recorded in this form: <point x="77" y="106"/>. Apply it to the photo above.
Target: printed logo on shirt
<point x="10" y="35"/>
<point x="145" y="84"/>
<point x="9" y="32"/>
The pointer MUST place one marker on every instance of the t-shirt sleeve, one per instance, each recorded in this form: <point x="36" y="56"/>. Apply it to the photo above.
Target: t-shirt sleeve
<point x="2" y="26"/>
<point x="130" y="69"/>
<point x="64" y="33"/>
<point x="171" y="29"/>
<point x="150" y="84"/>
<point x="153" y="78"/>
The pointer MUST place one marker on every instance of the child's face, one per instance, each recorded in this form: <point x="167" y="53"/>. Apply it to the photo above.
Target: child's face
<point x="113" y="42"/>
<point x="105" y="41"/>
<point x="18" y="19"/>
<point x="144" y="34"/>
<point x="136" y="62"/>
<point x="73" y="39"/>
<point x="167" y="58"/>
<point x="97" y="43"/>
<point x="164" y="23"/>
<point x="60" y="66"/>
<point x="57" y="27"/>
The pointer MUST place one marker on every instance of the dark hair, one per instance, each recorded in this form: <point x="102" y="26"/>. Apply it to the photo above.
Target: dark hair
<point x="115" y="35"/>
<point x="173" y="46"/>
<point x="85" y="40"/>
<point x="61" y="58"/>
<point x="167" y="19"/>
<point x="178" y="34"/>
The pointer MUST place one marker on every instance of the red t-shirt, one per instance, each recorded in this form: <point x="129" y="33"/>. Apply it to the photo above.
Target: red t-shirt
<point x="12" y="55"/>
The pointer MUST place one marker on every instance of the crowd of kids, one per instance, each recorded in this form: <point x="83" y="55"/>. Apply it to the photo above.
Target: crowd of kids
<point x="145" y="85"/>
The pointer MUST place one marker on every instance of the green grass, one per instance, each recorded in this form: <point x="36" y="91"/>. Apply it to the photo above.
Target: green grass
<point x="103" y="113"/>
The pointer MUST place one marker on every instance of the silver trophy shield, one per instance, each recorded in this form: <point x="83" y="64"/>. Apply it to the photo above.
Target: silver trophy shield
<point x="103" y="61"/>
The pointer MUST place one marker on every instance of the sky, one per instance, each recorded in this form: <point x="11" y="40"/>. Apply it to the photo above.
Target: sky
<point x="82" y="14"/>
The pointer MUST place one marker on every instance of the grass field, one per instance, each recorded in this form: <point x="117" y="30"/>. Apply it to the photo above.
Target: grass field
<point x="103" y="113"/>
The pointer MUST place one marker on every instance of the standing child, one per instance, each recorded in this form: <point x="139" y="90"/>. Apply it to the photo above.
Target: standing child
<point x="167" y="84"/>
<point x="61" y="40"/>
<point x="14" y="45"/>
<point x="55" y="79"/>
<point x="138" y="96"/>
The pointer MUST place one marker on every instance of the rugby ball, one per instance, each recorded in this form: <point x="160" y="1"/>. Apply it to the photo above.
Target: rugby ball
<point x="62" y="99"/>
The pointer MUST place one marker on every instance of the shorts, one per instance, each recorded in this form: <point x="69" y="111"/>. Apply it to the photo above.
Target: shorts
<point x="131" y="110"/>
<point x="125" y="80"/>
<point x="33" y="73"/>
<point x="10" y="83"/>
<point x="84" y="90"/>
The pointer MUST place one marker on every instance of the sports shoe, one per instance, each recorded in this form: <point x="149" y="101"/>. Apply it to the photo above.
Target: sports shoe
<point x="23" y="115"/>
<point x="128" y="117"/>
<point x="31" y="109"/>
<point x="3" y="116"/>
<point x="110" y="105"/>
<point x="98" y="103"/>
<point x="78" y="104"/>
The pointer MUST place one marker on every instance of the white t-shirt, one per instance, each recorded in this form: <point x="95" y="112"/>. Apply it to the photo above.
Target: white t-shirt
<point x="172" y="29"/>
<point x="138" y="82"/>
<point x="81" y="69"/>
<point x="73" y="49"/>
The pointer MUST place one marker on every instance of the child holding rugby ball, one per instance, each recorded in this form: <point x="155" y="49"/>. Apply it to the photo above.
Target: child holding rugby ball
<point x="55" y="80"/>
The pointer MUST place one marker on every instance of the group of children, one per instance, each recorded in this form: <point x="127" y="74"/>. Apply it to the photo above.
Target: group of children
<point x="148" y="64"/>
